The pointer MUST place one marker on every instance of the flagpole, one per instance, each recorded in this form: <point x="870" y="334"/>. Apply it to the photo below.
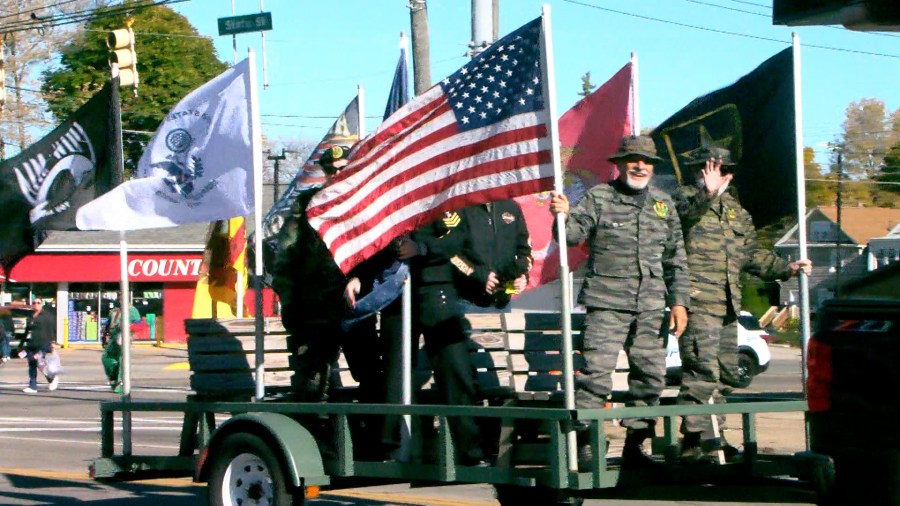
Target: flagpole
<point x="360" y="106"/>
<point x="801" y="212"/>
<point x="635" y="96"/>
<point x="125" y="320"/>
<point x="549" y="90"/>
<point x="256" y="142"/>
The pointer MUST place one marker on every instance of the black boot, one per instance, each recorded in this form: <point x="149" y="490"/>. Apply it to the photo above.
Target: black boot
<point x="633" y="453"/>
<point x="691" y="453"/>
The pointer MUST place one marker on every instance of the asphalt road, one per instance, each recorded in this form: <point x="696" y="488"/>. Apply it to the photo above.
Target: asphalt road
<point x="48" y="439"/>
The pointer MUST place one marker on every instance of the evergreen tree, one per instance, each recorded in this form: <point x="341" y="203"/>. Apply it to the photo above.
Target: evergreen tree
<point x="586" y="85"/>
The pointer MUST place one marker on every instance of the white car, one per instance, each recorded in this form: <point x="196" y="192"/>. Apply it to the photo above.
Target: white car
<point x="753" y="352"/>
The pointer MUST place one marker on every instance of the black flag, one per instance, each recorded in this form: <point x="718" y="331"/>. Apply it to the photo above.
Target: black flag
<point x="754" y="118"/>
<point x="42" y="187"/>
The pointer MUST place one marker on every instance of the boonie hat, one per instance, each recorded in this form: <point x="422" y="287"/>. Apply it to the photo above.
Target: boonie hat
<point x="335" y="157"/>
<point x="700" y="156"/>
<point x="636" y="145"/>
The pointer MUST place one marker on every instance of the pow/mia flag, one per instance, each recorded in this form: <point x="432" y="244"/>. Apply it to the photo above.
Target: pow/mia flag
<point x="43" y="187"/>
<point x="754" y="119"/>
<point x="197" y="167"/>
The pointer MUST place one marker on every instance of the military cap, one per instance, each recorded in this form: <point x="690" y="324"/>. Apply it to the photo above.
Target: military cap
<point x="636" y="145"/>
<point x="700" y="156"/>
<point x="334" y="157"/>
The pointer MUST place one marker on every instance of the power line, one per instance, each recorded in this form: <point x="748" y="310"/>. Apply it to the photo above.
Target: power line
<point x="725" y="32"/>
<point x="50" y="6"/>
<point x="81" y="16"/>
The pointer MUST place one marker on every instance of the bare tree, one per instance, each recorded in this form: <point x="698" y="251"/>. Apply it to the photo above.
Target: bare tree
<point x="30" y="32"/>
<point x="866" y="138"/>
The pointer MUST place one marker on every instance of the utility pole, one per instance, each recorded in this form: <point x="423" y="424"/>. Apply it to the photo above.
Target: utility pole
<point x="482" y="26"/>
<point x="418" y="20"/>
<point x="838" y="236"/>
<point x="277" y="159"/>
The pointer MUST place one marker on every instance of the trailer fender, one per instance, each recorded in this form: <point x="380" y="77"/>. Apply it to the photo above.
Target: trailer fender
<point x="291" y="442"/>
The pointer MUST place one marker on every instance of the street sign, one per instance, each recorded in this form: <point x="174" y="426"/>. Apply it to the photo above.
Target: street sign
<point x="246" y="23"/>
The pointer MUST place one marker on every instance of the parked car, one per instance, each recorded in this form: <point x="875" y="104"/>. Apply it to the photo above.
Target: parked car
<point x="20" y="315"/>
<point x="753" y="353"/>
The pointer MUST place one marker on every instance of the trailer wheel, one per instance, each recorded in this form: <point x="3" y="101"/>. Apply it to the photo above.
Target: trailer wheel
<point x="512" y="495"/>
<point x="245" y="471"/>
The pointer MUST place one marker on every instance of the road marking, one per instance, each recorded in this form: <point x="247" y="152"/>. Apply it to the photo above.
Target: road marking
<point x="92" y="442"/>
<point x="392" y="498"/>
<point x="62" y="475"/>
<point x="177" y="366"/>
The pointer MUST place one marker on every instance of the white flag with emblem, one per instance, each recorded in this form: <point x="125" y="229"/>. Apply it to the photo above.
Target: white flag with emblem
<point x="198" y="166"/>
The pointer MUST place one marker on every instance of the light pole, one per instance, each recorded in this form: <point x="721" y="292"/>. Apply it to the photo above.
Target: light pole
<point x="277" y="159"/>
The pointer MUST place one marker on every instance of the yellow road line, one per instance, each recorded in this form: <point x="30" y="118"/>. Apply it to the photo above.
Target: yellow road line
<point x="177" y="366"/>
<point x="389" y="497"/>
<point x="70" y="476"/>
<point x="386" y="497"/>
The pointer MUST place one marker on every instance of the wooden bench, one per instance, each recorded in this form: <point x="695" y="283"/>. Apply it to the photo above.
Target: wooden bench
<point x="222" y="357"/>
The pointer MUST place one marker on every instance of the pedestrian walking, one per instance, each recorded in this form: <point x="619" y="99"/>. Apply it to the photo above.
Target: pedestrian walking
<point x="6" y="334"/>
<point x="40" y="333"/>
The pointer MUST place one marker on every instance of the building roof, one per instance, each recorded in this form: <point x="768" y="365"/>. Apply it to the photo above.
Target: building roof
<point x="864" y="223"/>
<point x="858" y="224"/>
<point x="190" y="237"/>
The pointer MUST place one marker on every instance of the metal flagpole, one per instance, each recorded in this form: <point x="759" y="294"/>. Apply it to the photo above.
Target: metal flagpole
<point x="262" y="36"/>
<point x="125" y="320"/>
<point x="360" y="108"/>
<point x="233" y="41"/>
<point x="256" y="143"/>
<point x="635" y="96"/>
<point x="549" y="90"/>
<point x="801" y="211"/>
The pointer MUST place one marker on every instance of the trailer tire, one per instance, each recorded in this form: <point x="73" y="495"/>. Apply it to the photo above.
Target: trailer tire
<point x="510" y="495"/>
<point x="245" y="468"/>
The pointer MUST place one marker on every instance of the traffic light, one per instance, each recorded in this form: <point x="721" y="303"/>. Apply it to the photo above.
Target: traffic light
<point x="122" y="56"/>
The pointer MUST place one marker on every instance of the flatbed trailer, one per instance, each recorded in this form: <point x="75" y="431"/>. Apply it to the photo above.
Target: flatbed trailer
<point x="283" y="451"/>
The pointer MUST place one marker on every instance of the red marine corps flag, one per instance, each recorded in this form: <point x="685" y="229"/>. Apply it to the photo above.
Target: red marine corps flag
<point x="479" y="135"/>
<point x="589" y="132"/>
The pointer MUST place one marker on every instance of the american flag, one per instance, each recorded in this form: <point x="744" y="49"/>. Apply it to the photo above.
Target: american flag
<point x="479" y="135"/>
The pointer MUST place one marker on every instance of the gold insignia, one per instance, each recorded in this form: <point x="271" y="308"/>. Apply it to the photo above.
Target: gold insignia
<point x="661" y="209"/>
<point x="463" y="267"/>
<point x="731" y="214"/>
<point x="451" y="220"/>
<point x="336" y="152"/>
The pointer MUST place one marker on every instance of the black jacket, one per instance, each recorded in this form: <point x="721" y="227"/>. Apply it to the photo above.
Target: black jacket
<point x="498" y="243"/>
<point x="42" y="329"/>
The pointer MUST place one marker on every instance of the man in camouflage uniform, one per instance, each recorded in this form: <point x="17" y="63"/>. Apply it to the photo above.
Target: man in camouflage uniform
<point x="310" y="287"/>
<point x="636" y="267"/>
<point x="721" y="242"/>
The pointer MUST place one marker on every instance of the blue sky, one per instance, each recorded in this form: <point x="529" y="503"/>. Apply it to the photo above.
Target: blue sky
<point x="320" y="50"/>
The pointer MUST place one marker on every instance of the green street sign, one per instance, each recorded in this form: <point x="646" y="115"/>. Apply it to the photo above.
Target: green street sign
<point x="246" y="23"/>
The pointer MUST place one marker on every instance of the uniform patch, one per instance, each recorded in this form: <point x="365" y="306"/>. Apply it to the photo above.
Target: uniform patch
<point x="731" y="214"/>
<point x="507" y="218"/>
<point x="451" y="220"/>
<point x="661" y="209"/>
<point x="463" y="267"/>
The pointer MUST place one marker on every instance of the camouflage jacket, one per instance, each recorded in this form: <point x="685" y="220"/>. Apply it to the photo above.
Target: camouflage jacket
<point x="308" y="282"/>
<point x="721" y="242"/>
<point x="636" y="259"/>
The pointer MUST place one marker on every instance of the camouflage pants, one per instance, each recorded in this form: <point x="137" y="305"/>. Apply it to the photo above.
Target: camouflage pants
<point x="606" y="332"/>
<point x="708" y="351"/>
<point x="314" y="345"/>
